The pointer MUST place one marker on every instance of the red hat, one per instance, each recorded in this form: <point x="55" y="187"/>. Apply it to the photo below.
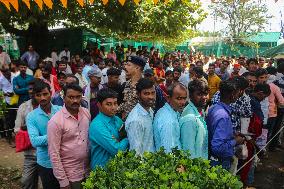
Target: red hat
<point x="237" y="65"/>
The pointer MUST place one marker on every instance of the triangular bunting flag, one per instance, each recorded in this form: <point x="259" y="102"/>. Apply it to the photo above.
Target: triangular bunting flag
<point x="15" y="4"/>
<point x="27" y="2"/>
<point x="105" y="2"/>
<point x="156" y="1"/>
<point x="64" y="3"/>
<point x="48" y="3"/>
<point x="122" y="2"/>
<point x="6" y="3"/>
<point x="39" y="3"/>
<point x="81" y="2"/>
<point x="137" y="2"/>
<point x="91" y="2"/>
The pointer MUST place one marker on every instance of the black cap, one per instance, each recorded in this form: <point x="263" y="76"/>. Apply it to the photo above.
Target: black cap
<point x="137" y="60"/>
<point x="149" y="72"/>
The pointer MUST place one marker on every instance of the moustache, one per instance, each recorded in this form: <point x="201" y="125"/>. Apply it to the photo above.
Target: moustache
<point x="43" y="101"/>
<point x="75" y="104"/>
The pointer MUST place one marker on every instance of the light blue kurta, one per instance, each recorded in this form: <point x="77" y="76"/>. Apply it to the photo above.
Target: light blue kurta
<point x="139" y="128"/>
<point x="166" y="128"/>
<point x="36" y="122"/>
<point x="194" y="134"/>
<point x="104" y="139"/>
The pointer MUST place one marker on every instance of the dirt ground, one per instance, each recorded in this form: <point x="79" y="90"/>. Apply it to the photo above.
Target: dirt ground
<point x="267" y="175"/>
<point x="10" y="166"/>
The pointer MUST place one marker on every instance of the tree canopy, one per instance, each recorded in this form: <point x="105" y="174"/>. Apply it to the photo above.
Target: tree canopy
<point x="169" y="22"/>
<point x="244" y="18"/>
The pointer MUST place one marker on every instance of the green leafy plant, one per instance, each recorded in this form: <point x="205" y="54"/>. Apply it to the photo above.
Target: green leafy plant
<point x="2" y="105"/>
<point x="160" y="170"/>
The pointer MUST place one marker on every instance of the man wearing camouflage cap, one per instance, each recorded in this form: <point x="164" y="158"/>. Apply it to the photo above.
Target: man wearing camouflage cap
<point x="134" y="68"/>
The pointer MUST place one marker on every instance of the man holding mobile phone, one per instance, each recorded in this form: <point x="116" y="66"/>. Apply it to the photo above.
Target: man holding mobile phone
<point x="107" y="133"/>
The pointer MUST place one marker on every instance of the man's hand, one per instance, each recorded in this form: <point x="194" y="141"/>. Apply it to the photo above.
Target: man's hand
<point x="239" y="139"/>
<point x="66" y="187"/>
<point x="122" y="133"/>
<point x="123" y="115"/>
<point x="115" y="138"/>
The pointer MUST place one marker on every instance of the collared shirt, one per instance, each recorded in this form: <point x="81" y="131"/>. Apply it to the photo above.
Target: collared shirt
<point x="130" y="98"/>
<point x="220" y="131"/>
<point x="20" y="87"/>
<point x="57" y="99"/>
<point x="31" y="58"/>
<point x="68" y="145"/>
<point x="213" y="84"/>
<point x="103" y="137"/>
<point x="20" y="121"/>
<point x="22" y="113"/>
<point x="193" y="131"/>
<point x="64" y="53"/>
<point x="139" y="127"/>
<point x="37" y="128"/>
<point x="82" y="80"/>
<point x="239" y="109"/>
<point x="6" y="86"/>
<point x="166" y="128"/>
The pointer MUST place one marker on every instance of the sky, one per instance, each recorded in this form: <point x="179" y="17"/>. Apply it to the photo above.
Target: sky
<point x="273" y="9"/>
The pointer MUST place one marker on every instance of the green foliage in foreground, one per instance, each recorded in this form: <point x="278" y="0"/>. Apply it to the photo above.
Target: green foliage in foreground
<point x="159" y="171"/>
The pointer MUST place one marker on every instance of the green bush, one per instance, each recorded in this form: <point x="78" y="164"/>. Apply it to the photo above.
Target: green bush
<point x="160" y="171"/>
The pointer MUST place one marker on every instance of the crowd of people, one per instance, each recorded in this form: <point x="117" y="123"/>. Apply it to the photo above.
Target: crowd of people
<point x="79" y="111"/>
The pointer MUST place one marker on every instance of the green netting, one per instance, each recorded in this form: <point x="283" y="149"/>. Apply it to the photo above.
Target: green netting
<point x="10" y="46"/>
<point x="272" y="52"/>
<point x="78" y="39"/>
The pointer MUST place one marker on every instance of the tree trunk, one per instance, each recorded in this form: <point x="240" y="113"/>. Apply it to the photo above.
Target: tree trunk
<point x="37" y="36"/>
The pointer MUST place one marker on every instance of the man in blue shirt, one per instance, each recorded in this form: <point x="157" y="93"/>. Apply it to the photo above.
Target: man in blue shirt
<point x="193" y="128"/>
<point x="139" y="123"/>
<point x="221" y="137"/>
<point x="89" y="64"/>
<point x="106" y="134"/>
<point x="21" y="83"/>
<point x="36" y="122"/>
<point x="31" y="57"/>
<point x="166" y="122"/>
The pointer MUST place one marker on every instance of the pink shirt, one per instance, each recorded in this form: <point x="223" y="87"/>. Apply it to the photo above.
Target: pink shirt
<point x="68" y="145"/>
<point x="112" y="56"/>
<point x="50" y="83"/>
<point x="275" y="98"/>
